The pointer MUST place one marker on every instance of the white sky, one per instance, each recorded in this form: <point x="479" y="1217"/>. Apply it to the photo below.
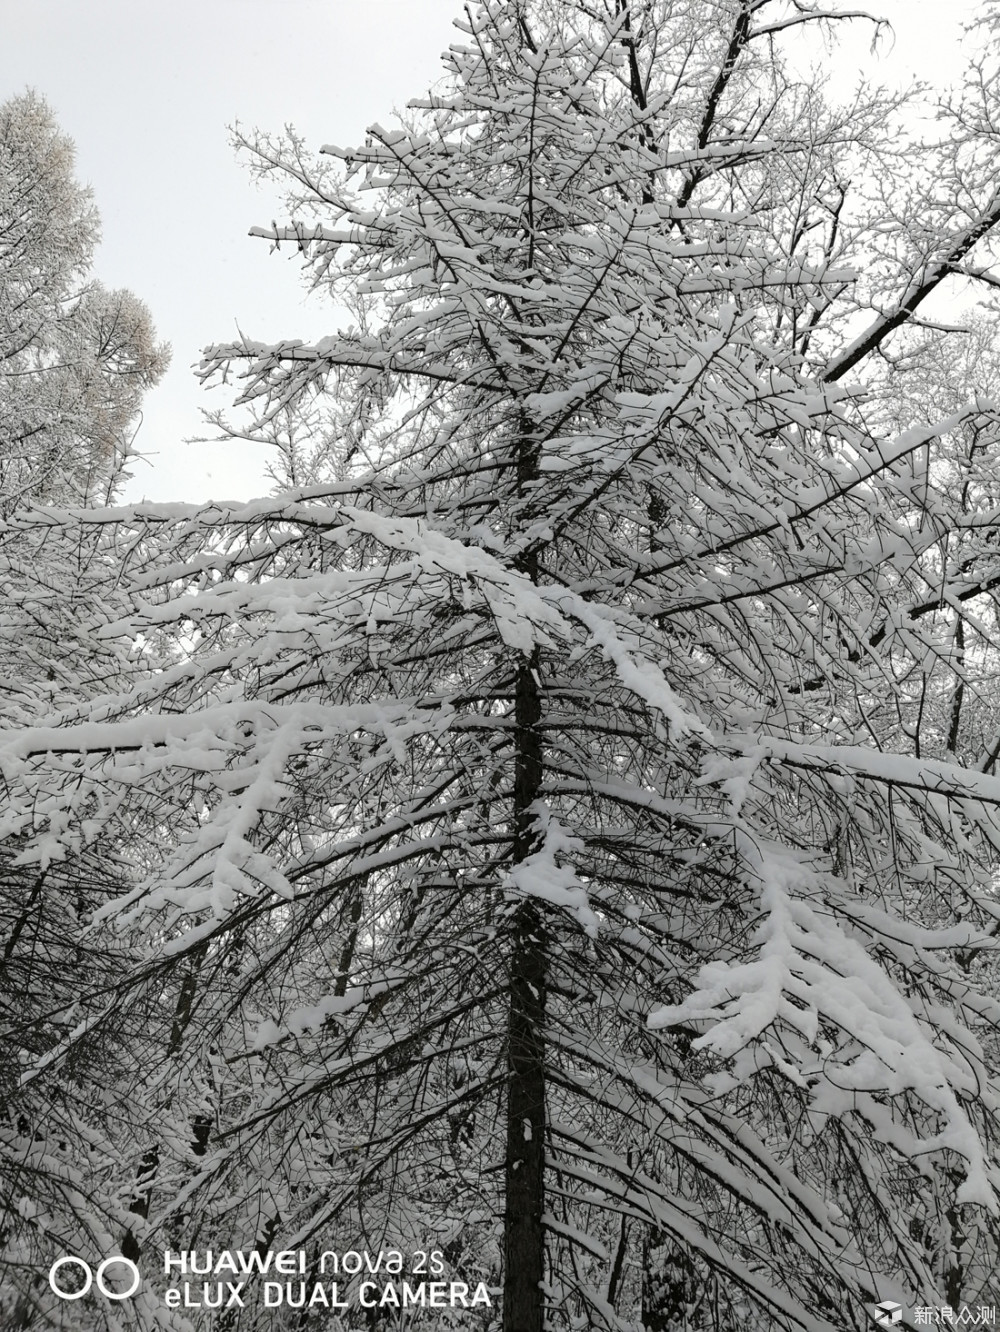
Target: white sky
<point x="147" y="90"/>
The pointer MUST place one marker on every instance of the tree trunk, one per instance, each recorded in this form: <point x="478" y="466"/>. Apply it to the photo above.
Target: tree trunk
<point x="524" y="1241"/>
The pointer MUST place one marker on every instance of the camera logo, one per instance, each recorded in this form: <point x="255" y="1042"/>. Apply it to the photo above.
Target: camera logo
<point x="87" y="1276"/>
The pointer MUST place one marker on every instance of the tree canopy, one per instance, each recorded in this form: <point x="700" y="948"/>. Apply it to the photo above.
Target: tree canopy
<point x="75" y="358"/>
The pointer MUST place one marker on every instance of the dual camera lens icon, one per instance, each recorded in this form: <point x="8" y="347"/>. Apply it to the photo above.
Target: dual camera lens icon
<point x="87" y="1276"/>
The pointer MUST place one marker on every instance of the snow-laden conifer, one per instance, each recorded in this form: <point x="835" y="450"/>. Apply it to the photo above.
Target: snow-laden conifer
<point x="538" y="856"/>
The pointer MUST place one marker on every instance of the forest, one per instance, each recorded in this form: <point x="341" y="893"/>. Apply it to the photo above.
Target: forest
<point x="548" y="847"/>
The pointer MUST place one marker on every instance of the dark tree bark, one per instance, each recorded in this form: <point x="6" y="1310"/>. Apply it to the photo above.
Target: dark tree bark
<point x="524" y="1241"/>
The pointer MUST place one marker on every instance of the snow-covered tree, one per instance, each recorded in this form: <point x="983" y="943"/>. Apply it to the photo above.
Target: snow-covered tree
<point x="75" y="358"/>
<point x="75" y="361"/>
<point x="525" y="855"/>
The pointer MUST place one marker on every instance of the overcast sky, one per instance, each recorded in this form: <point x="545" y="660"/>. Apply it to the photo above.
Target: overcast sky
<point x="147" y="90"/>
